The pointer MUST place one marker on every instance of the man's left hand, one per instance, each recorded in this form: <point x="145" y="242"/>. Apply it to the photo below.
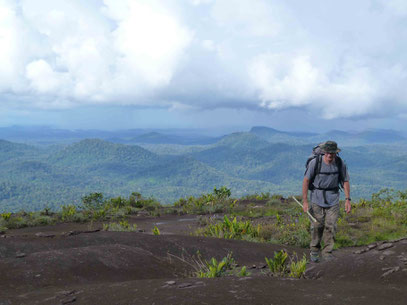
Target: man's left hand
<point x="348" y="206"/>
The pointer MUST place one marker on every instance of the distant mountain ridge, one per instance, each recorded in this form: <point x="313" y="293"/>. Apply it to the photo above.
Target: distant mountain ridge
<point x="47" y="135"/>
<point x="159" y="138"/>
<point x="372" y="136"/>
<point x="265" y="131"/>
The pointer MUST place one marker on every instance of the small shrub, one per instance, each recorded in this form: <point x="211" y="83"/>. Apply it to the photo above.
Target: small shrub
<point x="243" y="272"/>
<point x="222" y="193"/>
<point x="298" y="267"/>
<point x="3" y="229"/>
<point x="42" y="221"/>
<point x="156" y="231"/>
<point x="17" y="222"/>
<point x="99" y="214"/>
<point x="230" y="229"/>
<point x="216" y="202"/>
<point x="6" y="216"/>
<point x="68" y="211"/>
<point x="122" y="226"/>
<point x="93" y="201"/>
<point x="46" y="211"/>
<point x="213" y="268"/>
<point x="277" y="265"/>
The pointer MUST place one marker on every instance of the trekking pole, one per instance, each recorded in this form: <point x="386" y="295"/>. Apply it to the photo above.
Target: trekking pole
<point x="309" y="214"/>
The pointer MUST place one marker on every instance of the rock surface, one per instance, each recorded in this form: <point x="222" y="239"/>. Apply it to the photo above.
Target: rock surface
<point x="97" y="267"/>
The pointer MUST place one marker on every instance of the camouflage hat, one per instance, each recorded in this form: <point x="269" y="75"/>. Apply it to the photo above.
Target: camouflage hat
<point x="330" y="147"/>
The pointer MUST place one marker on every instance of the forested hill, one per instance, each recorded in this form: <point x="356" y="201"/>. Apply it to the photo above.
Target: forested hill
<point x="32" y="177"/>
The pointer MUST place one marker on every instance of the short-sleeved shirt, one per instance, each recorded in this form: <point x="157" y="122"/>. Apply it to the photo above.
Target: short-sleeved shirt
<point x="326" y="181"/>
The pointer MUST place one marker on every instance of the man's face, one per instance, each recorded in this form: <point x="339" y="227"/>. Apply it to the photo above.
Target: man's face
<point x="330" y="156"/>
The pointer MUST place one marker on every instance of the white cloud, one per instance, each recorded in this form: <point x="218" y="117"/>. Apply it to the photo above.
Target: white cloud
<point x="292" y="80"/>
<point x="255" y="17"/>
<point x="199" y="2"/>
<point x="342" y="59"/>
<point x="43" y="78"/>
<point x="87" y="56"/>
<point x="208" y="44"/>
<point x="11" y="47"/>
<point x="150" y="41"/>
<point x="397" y="7"/>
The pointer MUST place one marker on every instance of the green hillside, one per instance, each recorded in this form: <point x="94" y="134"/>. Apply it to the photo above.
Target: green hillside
<point x="33" y="177"/>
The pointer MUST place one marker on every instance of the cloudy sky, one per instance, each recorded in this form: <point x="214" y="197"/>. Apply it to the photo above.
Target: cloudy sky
<point x="217" y="64"/>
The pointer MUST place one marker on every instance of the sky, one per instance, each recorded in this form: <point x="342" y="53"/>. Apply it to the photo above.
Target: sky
<point x="214" y="64"/>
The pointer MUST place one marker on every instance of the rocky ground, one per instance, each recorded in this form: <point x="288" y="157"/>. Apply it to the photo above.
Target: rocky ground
<point x="79" y="264"/>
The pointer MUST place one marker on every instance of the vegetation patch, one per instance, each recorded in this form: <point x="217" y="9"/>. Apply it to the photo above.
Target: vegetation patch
<point x="258" y="218"/>
<point x="218" y="201"/>
<point x="230" y="229"/>
<point x="279" y="266"/>
<point x="122" y="226"/>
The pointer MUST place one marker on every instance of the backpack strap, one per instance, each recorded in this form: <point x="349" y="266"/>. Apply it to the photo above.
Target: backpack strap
<point x="341" y="178"/>
<point x="317" y="170"/>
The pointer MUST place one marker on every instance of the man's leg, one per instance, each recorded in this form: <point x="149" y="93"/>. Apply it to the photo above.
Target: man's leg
<point x="317" y="228"/>
<point x="331" y="218"/>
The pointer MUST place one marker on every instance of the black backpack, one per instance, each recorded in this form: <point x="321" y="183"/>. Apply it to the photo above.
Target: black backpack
<point x="318" y="154"/>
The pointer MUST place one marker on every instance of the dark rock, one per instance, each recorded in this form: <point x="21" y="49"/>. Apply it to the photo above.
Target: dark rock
<point x="360" y="251"/>
<point x="371" y="246"/>
<point x="68" y="300"/>
<point x="184" y="285"/>
<point x="385" y="246"/>
<point x="388" y="252"/>
<point x="68" y="292"/>
<point x="42" y="234"/>
<point x="390" y="271"/>
<point x="72" y="233"/>
<point x="91" y="231"/>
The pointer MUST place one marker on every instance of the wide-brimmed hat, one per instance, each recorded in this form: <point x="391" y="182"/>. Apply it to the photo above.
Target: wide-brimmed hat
<point x="330" y="147"/>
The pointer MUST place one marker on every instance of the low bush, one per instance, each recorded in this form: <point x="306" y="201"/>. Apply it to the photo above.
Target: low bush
<point x="156" y="231"/>
<point x="277" y="265"/>
<point x="68" y="212"/>
<point x="230" y="229"/>
<point x="297" y="267"/>
<point x="214" y="268"/>
<point x="122" y="226"/>
<point x="216" y="202"/>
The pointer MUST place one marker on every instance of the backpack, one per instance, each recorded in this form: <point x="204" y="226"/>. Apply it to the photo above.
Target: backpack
<point x="318" y="154"/>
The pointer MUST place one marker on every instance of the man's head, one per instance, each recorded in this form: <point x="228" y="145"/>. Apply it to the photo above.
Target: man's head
<point x="330" y="149"/>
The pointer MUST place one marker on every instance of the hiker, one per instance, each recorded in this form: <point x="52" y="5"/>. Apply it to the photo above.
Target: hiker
<point x="325" y="173"/>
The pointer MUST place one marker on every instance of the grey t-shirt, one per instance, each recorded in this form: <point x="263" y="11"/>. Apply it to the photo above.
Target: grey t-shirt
<point x="325" y="181"/>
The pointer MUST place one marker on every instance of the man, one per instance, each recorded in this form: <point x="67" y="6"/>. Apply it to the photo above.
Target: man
<point x="324" y="198"/>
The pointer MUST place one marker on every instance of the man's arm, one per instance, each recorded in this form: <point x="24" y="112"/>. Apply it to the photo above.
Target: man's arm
<point x="346" y="188"/>
<point x="305" y="184"/>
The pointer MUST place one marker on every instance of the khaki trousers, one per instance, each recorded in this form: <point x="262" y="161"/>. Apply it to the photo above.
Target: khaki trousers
<point x="324" y="229"/>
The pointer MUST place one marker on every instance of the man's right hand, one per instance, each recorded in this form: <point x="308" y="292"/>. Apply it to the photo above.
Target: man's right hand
<point x="305" y="206"/>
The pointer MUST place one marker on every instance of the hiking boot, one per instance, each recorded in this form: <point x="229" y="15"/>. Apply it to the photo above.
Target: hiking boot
<point x="314" y="257"/>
